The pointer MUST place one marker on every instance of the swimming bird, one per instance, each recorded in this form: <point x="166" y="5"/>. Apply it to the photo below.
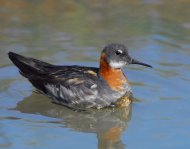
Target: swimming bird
<point x="80" y="87"/>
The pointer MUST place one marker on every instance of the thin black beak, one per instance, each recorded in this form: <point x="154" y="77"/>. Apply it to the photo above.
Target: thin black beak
<point x="140" y="63"/>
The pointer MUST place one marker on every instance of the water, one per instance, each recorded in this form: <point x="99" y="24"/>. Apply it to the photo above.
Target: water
<point x="74" y="32"/>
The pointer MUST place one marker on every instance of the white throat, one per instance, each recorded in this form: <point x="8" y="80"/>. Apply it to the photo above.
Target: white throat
<point x="115" y="64"/>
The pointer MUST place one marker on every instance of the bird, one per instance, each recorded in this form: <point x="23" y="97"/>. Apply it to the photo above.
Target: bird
<point x="81" y="87"/>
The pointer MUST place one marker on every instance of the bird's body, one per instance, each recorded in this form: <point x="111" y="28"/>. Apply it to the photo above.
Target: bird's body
<point x="79" y="87"/>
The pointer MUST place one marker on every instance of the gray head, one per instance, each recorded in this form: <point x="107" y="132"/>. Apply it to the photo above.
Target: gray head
<point x="117" y="56"/>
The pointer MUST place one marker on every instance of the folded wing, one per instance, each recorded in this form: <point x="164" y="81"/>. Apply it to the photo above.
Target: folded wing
<point x="72" y="86"/>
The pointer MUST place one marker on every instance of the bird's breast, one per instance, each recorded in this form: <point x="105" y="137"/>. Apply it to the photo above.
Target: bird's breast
<point x="114" y="77"/>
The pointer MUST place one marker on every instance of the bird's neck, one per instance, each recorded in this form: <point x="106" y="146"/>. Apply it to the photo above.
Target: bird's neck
<point x="114" y="77"/>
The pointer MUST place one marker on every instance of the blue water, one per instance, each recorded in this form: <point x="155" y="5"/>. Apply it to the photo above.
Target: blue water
<point x="74" y="32"/>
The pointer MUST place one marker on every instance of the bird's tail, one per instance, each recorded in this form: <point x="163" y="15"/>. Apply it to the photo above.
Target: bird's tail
<point x="28" y="66"/>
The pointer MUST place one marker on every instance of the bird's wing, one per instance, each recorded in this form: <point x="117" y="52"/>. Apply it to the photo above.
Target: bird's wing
<point x="68" y="85"/>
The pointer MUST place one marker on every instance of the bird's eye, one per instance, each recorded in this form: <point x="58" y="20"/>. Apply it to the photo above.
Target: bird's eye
<point x="119" y="52"/>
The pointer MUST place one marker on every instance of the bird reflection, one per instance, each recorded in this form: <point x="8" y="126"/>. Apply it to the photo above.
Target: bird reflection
<point x="108" y="124"/>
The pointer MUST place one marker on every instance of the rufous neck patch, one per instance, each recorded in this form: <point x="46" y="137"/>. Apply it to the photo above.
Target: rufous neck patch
<point x="114" y="77"/>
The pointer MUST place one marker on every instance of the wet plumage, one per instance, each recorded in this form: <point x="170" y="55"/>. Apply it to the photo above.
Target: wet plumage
<point x="80" y="87"/>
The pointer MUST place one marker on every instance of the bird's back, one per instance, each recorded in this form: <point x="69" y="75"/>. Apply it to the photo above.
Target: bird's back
<point x="73" y="86"/>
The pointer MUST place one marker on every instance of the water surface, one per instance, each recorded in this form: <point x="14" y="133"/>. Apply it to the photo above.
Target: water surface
<point x="74" y="32"/>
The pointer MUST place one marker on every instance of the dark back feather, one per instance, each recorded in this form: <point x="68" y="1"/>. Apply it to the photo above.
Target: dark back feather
<point x="28" y="66"/>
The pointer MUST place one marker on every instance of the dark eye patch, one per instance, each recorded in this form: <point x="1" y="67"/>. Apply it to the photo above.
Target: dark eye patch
<point x="119" y="52"/>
